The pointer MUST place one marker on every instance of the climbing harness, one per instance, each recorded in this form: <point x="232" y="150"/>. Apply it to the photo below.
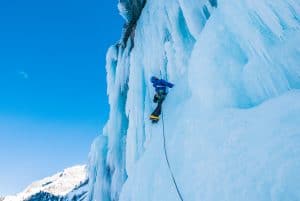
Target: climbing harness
<point x="167" y="159"/>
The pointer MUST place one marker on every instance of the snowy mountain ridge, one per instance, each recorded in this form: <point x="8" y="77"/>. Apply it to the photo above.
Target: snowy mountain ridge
<point x="62" y="186"/>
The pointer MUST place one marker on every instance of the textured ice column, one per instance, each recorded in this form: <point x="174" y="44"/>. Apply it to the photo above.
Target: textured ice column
<point x="107" y="158"/>
<point x="99" y="175"/>
<point x="249" y="58"/>
<point x="117" y="124"/>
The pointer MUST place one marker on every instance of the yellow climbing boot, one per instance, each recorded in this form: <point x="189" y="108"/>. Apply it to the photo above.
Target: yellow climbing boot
<point x="153" y="117"/>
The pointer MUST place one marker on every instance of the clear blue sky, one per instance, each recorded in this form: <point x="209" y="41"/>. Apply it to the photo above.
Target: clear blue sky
<point x="53" y="98"/>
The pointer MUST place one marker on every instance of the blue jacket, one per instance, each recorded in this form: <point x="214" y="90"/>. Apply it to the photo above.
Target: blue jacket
<point x="161" y="85"/>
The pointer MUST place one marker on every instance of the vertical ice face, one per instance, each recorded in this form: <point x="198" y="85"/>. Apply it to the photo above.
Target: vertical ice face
<point x="232" y="119"/>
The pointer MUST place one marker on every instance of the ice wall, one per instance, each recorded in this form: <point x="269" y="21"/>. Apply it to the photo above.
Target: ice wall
<point x="232" y="121"/>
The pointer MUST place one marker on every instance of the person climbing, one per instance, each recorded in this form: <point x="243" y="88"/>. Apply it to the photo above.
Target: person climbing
<point x="161" y="88"/>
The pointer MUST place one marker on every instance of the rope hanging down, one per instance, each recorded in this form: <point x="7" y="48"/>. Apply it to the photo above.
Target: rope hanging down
<point x="167" y="159"/>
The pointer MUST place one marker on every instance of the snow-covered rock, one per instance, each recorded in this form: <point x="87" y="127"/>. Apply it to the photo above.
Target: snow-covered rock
<point x="68" y="185"/>
<point x="130" y="9"/>
<point x="232" y="121"/>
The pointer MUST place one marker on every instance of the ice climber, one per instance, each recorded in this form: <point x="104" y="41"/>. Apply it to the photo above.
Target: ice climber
<point x="161" y="88"/>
